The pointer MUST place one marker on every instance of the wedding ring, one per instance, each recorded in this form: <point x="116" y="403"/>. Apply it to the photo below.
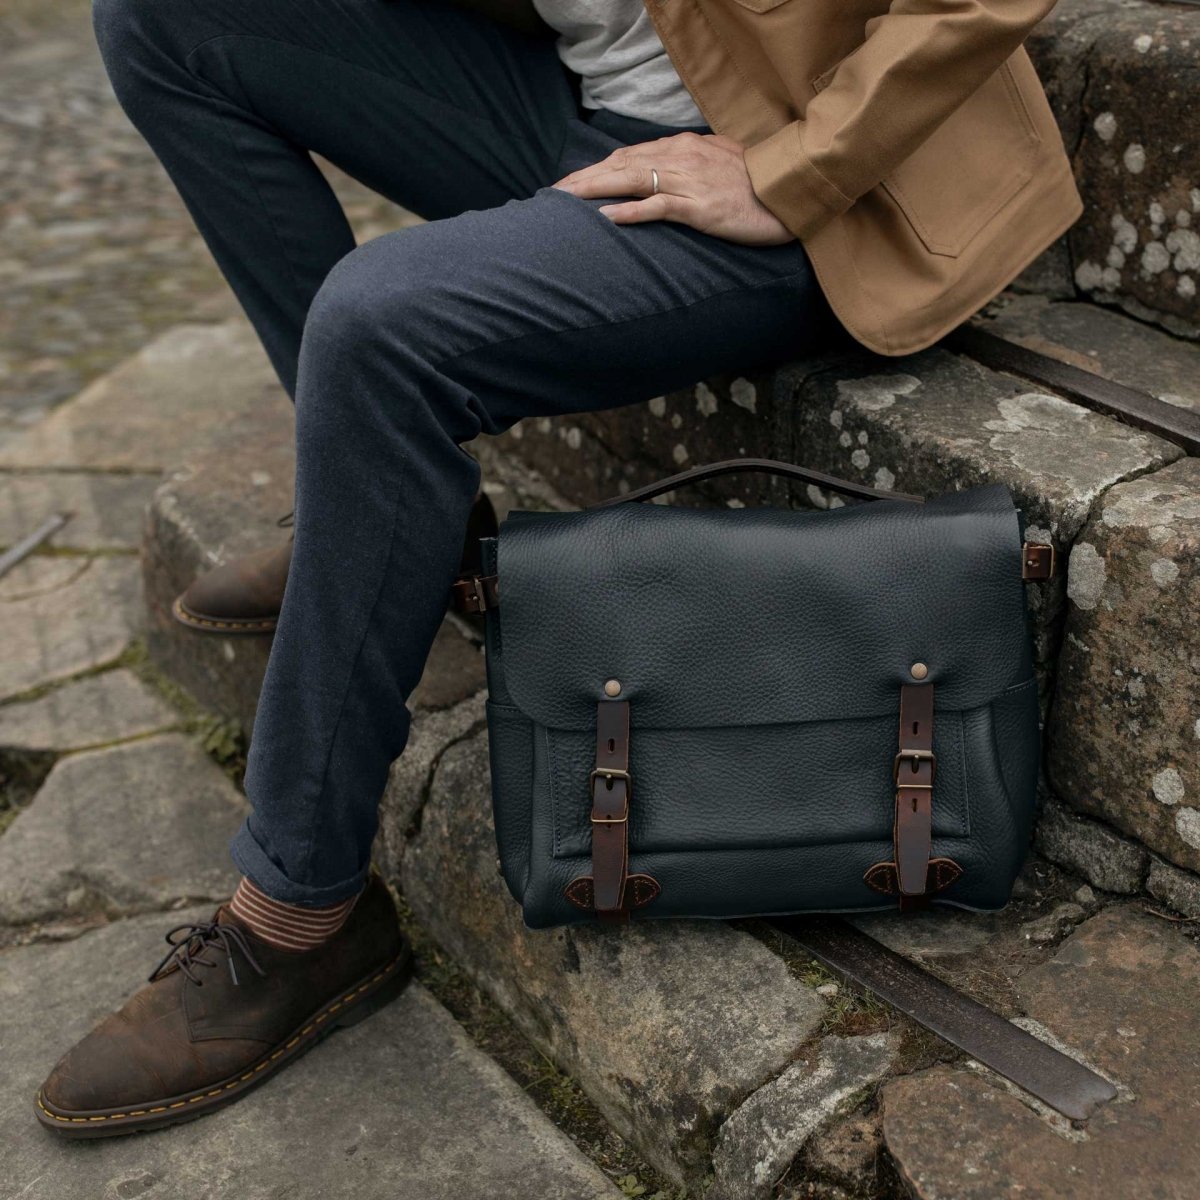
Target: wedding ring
<point x="653" y="182"/>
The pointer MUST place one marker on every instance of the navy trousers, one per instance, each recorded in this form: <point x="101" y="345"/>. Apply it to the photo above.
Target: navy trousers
<point x="514" y="300"/>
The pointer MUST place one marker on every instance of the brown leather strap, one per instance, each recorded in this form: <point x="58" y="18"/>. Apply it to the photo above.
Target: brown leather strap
<point x="1037" y="561"/>
<point x="611" y="793"/>
<point x="914" y="770"/>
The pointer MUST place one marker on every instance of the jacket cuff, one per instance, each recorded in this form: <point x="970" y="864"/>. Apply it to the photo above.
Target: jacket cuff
<point x="786" y="181"/>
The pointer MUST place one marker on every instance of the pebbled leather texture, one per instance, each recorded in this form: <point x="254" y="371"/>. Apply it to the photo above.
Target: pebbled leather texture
<point x="762" y="654"/>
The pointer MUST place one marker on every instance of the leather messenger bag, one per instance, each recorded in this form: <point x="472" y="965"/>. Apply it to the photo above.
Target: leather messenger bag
<point x="730" y="712"/>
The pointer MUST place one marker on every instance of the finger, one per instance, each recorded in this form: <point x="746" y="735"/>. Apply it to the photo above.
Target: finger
<point x="663" y="207"/>
<point x="616" y="160"/>
<point x="621" y="181"/>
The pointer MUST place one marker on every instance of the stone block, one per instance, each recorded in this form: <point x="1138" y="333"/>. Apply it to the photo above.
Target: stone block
<point x="1178" y="889"/>
<point x="669" y="1026"/>
<point x="401" y="1107"/>
<point x="1125" y="729"/>
<point x="1113" y="993"/>
<point x="1104" y="858"/>
<point x="92" y="711"/>
<point x="1138" y="243"/>
<point x="107" y="509"/>
<point x="64" y="616"/>
<point x="229" y="483"/>
<point x="136" y="827"/>
<point x="431" y="735"/>
<point x="759" y="1141"/>
<point x="1103" y="341"/>
<point x="592" y="456"/>
<point x="177" y="390"/>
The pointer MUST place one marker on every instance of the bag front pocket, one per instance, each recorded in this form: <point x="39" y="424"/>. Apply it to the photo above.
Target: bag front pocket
<point x="759" y="787"/>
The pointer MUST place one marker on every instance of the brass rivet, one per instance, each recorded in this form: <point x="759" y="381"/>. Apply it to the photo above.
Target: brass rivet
<point x="919" y="670"/>
<point x="612" y="687"/>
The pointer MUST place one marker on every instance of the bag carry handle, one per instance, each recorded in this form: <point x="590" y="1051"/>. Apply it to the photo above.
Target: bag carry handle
<point x="763" y="466"/>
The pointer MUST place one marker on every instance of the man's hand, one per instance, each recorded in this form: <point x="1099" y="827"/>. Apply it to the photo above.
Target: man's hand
<point x="702" y="182"/>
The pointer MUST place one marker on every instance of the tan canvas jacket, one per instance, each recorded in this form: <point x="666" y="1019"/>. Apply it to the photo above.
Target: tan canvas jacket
<point x="909" y="145"/>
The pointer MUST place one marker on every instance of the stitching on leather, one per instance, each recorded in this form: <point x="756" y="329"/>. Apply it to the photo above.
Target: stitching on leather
<point x="186" y="618"/>
<point x="249" y="1073"/>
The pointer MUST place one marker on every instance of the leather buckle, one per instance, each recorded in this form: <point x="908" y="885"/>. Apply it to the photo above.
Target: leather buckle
<point x="610" y="773"/>
<point x="918" y="757"/>
<point x="478" y="596"/>
<point x="1038" y="561"/>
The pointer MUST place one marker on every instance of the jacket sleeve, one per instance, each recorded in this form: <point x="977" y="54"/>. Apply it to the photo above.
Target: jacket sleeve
<point x="920" y="61"/>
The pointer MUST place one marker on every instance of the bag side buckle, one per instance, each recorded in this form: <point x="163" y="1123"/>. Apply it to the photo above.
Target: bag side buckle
<point x="1038" y="561"/>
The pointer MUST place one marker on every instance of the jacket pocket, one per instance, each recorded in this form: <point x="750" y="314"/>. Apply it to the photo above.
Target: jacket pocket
<point x="968" y="169"/>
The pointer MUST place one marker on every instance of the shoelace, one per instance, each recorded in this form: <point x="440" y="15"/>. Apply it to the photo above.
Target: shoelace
<point x="190" y="943"/>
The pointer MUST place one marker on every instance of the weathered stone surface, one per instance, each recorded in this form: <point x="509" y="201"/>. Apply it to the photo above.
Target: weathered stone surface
<point x="667" y="1025"/>
<point x="107" y="508"/>
<point x="229" y="482"/>
<point x="1103" y="341"/>
<point x="593" y="456"/>
<point x="1090" y="849"/>
<point x="928" y="935"/>
<point x="1114" y="992"/>
<point x="431" y="735"/>
<point x="1138" y="244"/>
<point x="123" y="830"/>
<point x="1059" y="47"/>
<point x="846" y="1153"/>
<point x="1125" y="730"/>
<point x="88" y="712"/>
<point x="401" y="1107"/>
<point x="138" y="417"/>
<point x="759" y="1141"/>
<point x="1179" y="889"/>
<point x="61" y="616"/>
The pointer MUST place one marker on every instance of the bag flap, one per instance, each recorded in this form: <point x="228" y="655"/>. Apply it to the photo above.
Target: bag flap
<point x="719" y="617"/>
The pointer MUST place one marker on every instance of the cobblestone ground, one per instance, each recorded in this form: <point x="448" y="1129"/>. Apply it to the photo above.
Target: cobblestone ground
<point x="79" y="194"/>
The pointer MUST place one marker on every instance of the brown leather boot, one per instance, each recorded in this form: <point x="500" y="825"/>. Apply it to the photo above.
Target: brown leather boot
<point x="245" y="595"/>
<point x="223" y="1012"/>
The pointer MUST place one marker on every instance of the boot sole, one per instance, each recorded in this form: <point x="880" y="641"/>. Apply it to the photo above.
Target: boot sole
<point x="203" y="624"/>
<point x="355" y="1004"/>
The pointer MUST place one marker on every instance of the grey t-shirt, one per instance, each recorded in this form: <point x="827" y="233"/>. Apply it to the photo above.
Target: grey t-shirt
<point x="613" y="46"/>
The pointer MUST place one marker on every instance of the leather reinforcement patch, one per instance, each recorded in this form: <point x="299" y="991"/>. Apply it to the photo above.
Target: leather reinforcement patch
<point x="884" y="878"/>
<point x="640" y="890"/>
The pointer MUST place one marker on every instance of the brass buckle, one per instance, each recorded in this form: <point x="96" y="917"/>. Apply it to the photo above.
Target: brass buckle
<point x="610" y="773"/>
<point x="916" y="756"/>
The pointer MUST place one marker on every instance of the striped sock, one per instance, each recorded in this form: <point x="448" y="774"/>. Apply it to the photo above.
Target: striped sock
<point x="287" y="926"/>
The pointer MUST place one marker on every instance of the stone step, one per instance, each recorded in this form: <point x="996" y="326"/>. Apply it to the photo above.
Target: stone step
<point x="1114" y="992"/>
<point x="132" y="828"/>
<point x="401" y="1107"/>
<point x="1122" y="76"/>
